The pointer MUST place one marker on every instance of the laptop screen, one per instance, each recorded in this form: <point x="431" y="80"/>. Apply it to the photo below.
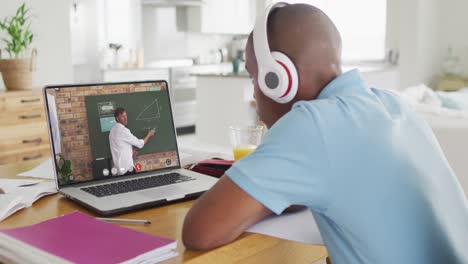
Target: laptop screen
<point x="110" y="130"/>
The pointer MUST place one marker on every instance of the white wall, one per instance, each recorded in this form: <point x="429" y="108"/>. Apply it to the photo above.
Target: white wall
<point x="52" y="39"/>
<point x="84" y="30"/>
<point x="122" y="21"/>
<point x="422" y="30"/>
<point x="98" y="23"/>
<point x="161" y="39"/>
<point x="412" y="29"/>
<point x="454" y="31"/>
<point x="430" y="49"/>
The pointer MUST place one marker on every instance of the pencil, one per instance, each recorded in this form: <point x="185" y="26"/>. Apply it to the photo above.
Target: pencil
<point x="122" y="220"/>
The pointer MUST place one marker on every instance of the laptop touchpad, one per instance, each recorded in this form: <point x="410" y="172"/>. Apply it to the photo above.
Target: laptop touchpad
<point x="167" y="192"/>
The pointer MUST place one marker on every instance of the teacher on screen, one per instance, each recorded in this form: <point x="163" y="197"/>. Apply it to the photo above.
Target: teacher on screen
<point x="121" y="141"/>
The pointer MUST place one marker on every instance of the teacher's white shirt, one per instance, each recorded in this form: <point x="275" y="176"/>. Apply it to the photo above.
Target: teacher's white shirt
<point x="121" y="141"/>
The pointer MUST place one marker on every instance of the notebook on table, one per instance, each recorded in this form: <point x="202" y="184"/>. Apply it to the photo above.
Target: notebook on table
<point x="91" y="170"/>
<point x="18" y="194"/>
<point x="78" y="238"/>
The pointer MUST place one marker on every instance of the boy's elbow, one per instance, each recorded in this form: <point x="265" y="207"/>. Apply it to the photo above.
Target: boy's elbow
<point x="204" y="237"/>
<point x="197" y="240"/>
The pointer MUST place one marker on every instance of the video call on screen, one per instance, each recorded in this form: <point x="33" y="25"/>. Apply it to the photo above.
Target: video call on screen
<point x="83" y="117"/>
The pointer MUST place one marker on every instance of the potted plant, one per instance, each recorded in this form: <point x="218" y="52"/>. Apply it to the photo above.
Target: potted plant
<point x="64" y="169"/>
<point x="17" y="70"/>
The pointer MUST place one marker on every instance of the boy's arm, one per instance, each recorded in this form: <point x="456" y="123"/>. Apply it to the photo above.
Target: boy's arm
<point x="220" y="216"/>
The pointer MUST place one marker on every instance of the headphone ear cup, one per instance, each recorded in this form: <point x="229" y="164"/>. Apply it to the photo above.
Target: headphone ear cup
<point x="287" y="90"/>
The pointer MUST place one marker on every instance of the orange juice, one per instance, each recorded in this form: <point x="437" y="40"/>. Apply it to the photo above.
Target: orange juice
<point x="243" y="150"/>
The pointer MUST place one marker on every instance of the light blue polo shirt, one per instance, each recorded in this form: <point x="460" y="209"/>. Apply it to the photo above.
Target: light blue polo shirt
<point x="369" y="169"/>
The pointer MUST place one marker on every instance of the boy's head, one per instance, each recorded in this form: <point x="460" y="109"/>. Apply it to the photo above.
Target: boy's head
<point x="311" y="41"/>
<point x="121" y="116"/>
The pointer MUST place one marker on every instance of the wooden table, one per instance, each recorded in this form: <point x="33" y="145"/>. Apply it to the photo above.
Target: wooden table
<point x="167" y="221"/>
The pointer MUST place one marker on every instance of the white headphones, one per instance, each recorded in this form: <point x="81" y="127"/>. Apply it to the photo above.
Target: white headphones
<point x="277" y="75"/>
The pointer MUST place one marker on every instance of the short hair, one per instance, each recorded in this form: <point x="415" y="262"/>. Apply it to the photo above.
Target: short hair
<point x="118" y="111"/>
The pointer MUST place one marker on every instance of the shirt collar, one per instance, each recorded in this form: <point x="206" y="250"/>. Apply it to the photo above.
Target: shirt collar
<point x="119" y="124"/>
<point x="346" y="83"/>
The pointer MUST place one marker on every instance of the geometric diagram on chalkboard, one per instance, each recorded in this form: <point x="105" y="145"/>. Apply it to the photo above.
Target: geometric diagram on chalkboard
<point x="150" y="112"/>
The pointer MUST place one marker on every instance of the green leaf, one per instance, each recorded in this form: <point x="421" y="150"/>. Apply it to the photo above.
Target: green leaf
<point x="10" y="31"/>
<point x="22" y="9"/>
<point x="26" y="34"/>
<point x="66" y="168"/>
<point x="19" y="36"/>
<point x="18" y="12"/>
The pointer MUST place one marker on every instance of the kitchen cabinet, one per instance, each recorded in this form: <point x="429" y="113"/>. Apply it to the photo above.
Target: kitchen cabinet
<point x="214" y="16"/>
<point x="183" y="93"/>
<point x="222" y="101"/>
<point x="182" y="89"/>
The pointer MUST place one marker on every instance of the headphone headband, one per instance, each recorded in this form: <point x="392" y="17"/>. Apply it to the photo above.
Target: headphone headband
<point x="277" y="75"/>
<point x="260" y="32"/>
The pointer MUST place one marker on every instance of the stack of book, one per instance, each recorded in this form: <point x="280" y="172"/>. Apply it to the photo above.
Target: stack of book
<point x="78" y="238"/>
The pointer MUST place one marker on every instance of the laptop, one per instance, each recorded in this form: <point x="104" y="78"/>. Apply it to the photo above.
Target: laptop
<point x="106" y="163"/>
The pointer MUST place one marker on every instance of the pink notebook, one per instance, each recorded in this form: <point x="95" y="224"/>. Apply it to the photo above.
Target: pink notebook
<point x="79" y="238"/>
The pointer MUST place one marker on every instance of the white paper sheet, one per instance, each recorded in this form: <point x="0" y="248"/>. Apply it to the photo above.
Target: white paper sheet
<point x="190" y="155"/>
<point x="299" y="226"/>
<point x="185" y="158"/>
<point x="44" y="170"/>
<point x="10" y="185"/>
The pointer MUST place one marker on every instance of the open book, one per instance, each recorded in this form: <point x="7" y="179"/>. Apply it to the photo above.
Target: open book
<point x="78" y="238"/>
<point x="18" y="194"/>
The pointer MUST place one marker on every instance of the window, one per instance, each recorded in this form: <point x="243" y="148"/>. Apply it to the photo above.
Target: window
<point x="362" y="25"/>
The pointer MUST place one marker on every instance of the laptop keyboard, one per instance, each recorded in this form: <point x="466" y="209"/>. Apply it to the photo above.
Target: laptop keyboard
<point x="136" y="184"/>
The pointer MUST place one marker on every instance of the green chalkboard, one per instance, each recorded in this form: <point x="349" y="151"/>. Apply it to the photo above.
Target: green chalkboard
<point x="145" y="110"/>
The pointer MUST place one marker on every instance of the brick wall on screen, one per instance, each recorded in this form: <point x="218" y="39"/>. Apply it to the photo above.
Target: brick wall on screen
<point x="73" y="125"/>
<point x="157" y="160"/>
